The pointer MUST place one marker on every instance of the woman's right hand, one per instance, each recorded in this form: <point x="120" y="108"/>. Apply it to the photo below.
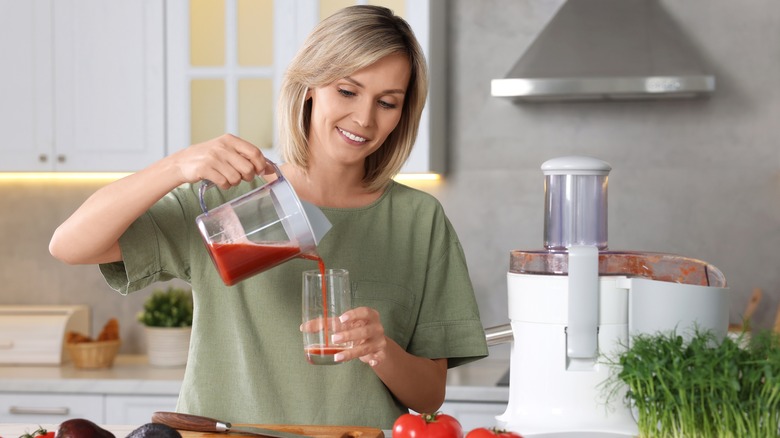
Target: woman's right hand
<point x="91" y="234"/>
<point x="225" y="161"/>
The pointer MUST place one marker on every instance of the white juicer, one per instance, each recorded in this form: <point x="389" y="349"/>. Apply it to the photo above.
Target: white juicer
<point x="575" y="303"/>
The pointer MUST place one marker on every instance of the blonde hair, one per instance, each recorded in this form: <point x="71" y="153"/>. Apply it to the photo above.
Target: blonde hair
<point x="349" y="40"/>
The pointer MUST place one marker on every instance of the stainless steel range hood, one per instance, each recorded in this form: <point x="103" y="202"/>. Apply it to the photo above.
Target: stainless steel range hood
<point x="607" y="49"/>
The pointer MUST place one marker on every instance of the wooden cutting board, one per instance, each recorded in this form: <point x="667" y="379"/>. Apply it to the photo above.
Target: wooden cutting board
<point x="313" y="431"/>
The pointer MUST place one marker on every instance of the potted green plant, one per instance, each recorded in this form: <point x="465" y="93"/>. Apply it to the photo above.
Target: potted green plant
<point x="167" y="317"/>
<point x="702" y="386"/>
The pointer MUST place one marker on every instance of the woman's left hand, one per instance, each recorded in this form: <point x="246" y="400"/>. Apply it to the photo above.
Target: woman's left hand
<point x="367" y="334"/>
<point x="417" y="382"/>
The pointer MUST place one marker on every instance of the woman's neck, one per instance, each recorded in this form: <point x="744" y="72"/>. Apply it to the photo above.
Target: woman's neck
<point x="335" y="188"/>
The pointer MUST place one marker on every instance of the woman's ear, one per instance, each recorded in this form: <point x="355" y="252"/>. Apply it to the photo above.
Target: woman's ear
<point x="308" y="94"/>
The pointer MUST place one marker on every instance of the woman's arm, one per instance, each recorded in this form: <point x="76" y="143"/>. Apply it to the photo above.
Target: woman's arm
<point x="91" y="234"/>
<point x="417" y="382"/>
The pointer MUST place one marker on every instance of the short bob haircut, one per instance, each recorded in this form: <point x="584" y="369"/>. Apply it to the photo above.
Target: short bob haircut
<point x="349" y="40"/>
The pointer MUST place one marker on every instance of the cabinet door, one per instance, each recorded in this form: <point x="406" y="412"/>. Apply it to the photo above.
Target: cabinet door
<point x="136" y="409"/>
<point x="49" y="408"/>
<point x="109" y="84"/>
<point x="25" y="85"/>
<point x="472" y="415"/>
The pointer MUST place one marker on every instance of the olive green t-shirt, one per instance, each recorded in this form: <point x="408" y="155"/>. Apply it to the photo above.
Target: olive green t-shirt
<point x="246" y="362"/>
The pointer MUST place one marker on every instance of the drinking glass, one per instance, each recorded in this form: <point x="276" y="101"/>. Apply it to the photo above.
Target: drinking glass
<point x="326" y="295"/>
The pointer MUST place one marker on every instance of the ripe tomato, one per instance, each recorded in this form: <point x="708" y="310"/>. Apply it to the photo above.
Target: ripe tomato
<point x="436" y="425"/>
<point x="40" y="433"/>
<point x="483" y="432"/>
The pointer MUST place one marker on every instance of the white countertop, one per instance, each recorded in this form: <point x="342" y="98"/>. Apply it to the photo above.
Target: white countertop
<point x="131" y="374"/>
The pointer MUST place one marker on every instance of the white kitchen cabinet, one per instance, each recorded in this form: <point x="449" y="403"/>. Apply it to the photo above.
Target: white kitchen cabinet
<point x="26" y="119"/>
<point x="86" y="87"/>
<point x="45" y="408"/>
<point x="472" y="415"/>
<point x="42" y="408"/>
<point x="136" y="409"/>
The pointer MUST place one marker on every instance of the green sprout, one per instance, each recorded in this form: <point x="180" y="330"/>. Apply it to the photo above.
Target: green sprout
<point x="701" y="387"/>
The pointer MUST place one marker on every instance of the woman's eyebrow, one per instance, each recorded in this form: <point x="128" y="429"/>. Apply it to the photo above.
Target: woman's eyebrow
<point x="390" y="91"/>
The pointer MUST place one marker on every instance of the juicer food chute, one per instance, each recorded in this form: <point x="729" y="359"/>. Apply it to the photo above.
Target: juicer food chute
<point x="575" y="303"/>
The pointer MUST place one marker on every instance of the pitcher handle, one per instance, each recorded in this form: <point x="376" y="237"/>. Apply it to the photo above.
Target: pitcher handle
<point x="207" y="184"/>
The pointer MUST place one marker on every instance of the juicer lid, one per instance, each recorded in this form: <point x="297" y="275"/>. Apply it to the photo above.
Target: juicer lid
<point x="576" y="165"/>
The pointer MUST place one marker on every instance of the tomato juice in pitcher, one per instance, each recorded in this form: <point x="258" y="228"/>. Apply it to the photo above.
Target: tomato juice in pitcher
<point x="239" y="261"/>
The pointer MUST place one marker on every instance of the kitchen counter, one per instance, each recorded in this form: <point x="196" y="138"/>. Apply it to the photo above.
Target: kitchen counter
<point x="131" y="374"/>
<point x="472" y="394"/>
<point x="131" y="390"/>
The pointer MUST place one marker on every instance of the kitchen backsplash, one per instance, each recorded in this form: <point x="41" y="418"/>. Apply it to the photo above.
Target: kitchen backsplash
<point x="30" y="275"/>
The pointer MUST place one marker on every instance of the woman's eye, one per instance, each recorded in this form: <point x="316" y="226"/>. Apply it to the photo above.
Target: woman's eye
<point x="382" y="103"/>
<point x="386" y="105"/>
<point x="346" y="93"/>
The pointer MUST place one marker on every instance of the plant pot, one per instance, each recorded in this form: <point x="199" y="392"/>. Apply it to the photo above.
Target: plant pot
<point x="168" y="346"/>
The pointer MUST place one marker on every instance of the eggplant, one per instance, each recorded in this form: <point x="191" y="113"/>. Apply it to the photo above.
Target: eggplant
<point x="154" y="430"/>
<point x="81" y="428"/>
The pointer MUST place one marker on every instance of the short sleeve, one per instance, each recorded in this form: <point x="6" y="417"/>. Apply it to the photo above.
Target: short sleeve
<point x="154" y="248"/>
<point x="449" y="325"/>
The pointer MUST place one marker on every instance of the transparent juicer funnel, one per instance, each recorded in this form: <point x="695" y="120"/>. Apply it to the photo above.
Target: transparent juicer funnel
<point x="575" y="202"/>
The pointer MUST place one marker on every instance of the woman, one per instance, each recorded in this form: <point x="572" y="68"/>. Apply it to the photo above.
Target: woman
<point x="349" y="111"/>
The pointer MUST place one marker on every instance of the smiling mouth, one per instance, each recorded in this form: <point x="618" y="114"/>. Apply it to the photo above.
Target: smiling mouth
<point x="352" y="136"/>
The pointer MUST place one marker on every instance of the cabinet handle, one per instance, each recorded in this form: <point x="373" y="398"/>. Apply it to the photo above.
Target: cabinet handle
<point x="43" y="158"/>
<point x="22" y="410"/>
<point x="60" y="158"/>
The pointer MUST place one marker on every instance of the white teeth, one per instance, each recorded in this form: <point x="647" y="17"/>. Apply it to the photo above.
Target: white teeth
<point x="352" y="136"/>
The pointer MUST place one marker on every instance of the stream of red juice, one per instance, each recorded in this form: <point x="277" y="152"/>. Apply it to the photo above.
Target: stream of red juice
<point x="321" y="265"/>
<point x="322" y="354"/>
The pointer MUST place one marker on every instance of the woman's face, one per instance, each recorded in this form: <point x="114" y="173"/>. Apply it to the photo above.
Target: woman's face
<point x="352" y="117"/>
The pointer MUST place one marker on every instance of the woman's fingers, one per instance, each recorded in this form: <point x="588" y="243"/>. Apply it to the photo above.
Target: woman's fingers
<point x="225" y="161"/>
<point x="311" y="326"/>
<point x="367" y="334"/>
<point x="251" y="154"/>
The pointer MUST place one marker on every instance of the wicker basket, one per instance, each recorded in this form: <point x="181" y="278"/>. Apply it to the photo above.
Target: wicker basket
<point x="97" y="354"/>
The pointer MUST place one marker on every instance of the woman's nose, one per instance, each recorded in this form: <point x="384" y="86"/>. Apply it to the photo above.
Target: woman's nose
<point x="364" y="114"/>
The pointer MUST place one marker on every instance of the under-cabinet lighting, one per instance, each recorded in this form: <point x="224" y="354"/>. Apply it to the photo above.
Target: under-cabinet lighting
<point x="417" y="177"/>
<point x="61" y="176"/>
